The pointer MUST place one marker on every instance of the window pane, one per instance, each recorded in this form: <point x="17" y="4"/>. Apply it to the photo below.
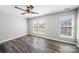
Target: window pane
<point x="35" y="26"/>
<point x="41" y="27"/>
<point x="66" y="21"/>
<point x="66" y="31"/>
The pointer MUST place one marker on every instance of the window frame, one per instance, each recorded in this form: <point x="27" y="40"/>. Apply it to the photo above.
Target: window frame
<point x="72" y="26"/>
<point x="33" y="27"/>
<point x="37" y="27"/>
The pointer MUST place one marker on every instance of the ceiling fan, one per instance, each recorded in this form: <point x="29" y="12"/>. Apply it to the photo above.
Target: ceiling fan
<point x="28" y="9"/>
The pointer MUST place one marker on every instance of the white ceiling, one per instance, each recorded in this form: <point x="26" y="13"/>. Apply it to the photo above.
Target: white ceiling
<point x="41" y="9"/>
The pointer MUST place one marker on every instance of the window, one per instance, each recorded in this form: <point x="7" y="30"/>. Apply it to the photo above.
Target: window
<point x="66" y="26"/>
<point x="35" y="26"/>
<point x="39" y="26"/>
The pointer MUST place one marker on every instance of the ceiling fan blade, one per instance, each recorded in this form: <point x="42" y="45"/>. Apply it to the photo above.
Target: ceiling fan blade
<point x="20" y="8"/>
<point x="34" y="12"/>
<point x="23" y="13"/>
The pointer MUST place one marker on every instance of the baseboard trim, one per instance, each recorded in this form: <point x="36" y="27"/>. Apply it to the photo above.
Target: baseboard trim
<point x="12" y="38"/>
<point x="55" y="39"/>
<point x="77" y="44"/>
<point x="42" y="37"/>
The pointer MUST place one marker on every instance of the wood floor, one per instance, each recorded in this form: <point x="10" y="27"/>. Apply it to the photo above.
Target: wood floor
<point x="33" y="44"/>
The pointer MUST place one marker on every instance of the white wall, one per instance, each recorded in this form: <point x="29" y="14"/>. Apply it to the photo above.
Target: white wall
<point x="78" y="26"/>
<point x="11" y="26"/>
<point x="52" y="26"/>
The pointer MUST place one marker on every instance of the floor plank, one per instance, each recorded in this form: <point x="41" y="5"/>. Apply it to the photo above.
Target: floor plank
<point x="33" y="44"/>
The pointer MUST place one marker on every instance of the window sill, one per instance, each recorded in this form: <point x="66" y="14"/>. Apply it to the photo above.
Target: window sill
<point x="66" y="36"/>
<point x="38" y="33"/>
